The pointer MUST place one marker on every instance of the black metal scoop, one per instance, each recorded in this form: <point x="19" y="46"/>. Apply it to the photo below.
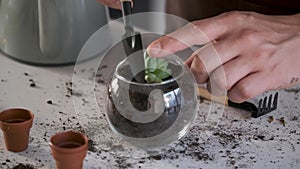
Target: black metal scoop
<point x="133" y="46"/>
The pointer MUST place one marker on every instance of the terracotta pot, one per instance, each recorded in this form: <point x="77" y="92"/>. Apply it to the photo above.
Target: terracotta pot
<point x="16" y="124"/>
<point x="69" y="149"/>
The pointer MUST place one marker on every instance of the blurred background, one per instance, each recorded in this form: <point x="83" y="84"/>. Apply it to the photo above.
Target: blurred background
<point x="44" y="32"/>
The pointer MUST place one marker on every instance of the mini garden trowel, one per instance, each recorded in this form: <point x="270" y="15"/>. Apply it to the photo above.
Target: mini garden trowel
<point x="133" y="46"/>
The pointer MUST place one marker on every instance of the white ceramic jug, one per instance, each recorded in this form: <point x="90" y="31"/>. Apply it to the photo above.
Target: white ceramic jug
<point x="48" y="32"/>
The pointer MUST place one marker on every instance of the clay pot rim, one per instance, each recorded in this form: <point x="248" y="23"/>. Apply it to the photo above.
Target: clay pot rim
<point x="69" y="150"/>
<point x="19" y="123"/>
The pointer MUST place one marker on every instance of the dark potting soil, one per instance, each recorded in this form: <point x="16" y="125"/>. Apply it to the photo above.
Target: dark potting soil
<point x="140" y="130"/>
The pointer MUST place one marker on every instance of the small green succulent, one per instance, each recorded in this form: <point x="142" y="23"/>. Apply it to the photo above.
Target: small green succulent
<point x="156" y="69"/>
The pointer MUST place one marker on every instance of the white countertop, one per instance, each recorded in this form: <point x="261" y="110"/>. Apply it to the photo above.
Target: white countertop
<point x="238" y="142"/>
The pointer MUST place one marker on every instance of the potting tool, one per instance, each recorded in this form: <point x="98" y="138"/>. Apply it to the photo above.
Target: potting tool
<point x="132" y="43"/>
<point x="265" y="105"/>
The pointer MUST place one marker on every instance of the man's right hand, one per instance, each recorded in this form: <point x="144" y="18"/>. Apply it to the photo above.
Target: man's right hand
<point x="111" y="3"/>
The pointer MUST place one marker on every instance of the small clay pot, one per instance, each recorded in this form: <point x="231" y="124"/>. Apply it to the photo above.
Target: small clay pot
<point x="69" y="149"/>
<point x="16" y="124"/>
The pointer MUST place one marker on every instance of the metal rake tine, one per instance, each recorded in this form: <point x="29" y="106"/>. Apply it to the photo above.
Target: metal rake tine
<point x="269" y="107"/>
<point x="259" y="105"/>
<point x="264" y="107"/>
<point x="275" y="101"/>
<point x="258" y="112"/>
<point x="267" y="104"/>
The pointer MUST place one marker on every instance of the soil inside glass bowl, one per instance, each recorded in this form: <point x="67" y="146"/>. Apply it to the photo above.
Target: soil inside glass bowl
<point x="139" y="98"/>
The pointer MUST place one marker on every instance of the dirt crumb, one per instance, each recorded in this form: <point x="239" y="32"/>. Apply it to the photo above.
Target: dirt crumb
<point x="23" y="166"/>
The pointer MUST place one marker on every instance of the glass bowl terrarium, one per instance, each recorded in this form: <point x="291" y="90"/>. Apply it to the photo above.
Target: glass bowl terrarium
<point x="154" y="113"/>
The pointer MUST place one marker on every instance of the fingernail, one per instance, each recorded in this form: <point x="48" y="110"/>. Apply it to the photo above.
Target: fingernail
<point x="154" y="49"/>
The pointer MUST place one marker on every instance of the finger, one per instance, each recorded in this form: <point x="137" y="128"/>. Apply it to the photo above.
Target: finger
<point x="111" y="3"/>
<point x="207" y="58"/>
<point x="198" y="70"/>
<point x="217" y="53"/>
<point x="182" y="38"/>
<point x="227" y="75"/>
<point x="204" y="60"/>
<point x="195" y="33"/>
<point x="250" y="86"/>
<point x="214" y="89"/>
<point x="189" y="61"/>
<point x="165" y="44"/>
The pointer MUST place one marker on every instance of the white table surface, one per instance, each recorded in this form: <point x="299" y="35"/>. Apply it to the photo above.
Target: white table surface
<point x="238" y="142"/>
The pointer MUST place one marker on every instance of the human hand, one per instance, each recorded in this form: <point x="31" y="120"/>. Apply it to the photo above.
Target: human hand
<point x="245" y="53"/>
<point x="113" y="3"/>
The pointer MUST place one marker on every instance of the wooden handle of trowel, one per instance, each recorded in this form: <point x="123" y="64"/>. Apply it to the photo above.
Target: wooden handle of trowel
<point x="204" y="93"/>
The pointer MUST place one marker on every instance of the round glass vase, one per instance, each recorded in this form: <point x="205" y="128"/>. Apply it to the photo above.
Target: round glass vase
<point x="150" y="115"/>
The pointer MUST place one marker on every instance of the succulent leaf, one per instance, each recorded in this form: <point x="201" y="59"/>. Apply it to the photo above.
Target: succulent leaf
<point x="156" y="69"/>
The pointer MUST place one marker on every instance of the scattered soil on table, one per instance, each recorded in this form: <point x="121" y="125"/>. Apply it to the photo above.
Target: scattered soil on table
<point x="293" y="90"/>
<point x="60" y="112"/>
<point x="121" y="163"/>
<point x="189" y="146"/>
<point x="294" y="118"/>
<point x="70" y="90"/>
<point x="32" y="83"/>
<point x="49" y="102"/>
<point x="23" y="166"/>
<point x="282" y="121"/>
<point x="91" y="146"/>
<point x="271" y="119"/>
<point x="98" y="76"/>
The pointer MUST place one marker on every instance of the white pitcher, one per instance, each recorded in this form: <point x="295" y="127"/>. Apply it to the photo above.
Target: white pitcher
<point x="48" y="32"/>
